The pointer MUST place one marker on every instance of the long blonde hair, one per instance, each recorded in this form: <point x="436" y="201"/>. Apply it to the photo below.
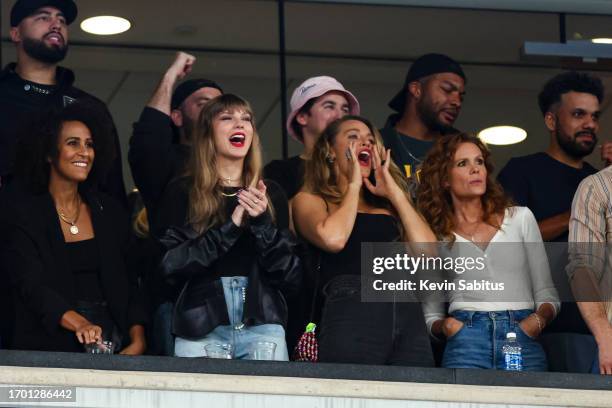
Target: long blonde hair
<point x="206" y="204"/>
<point x="320" y="175"/>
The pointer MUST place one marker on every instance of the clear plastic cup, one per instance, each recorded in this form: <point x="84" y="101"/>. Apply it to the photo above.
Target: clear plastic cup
<point x="223" y="351"/>
<point x="104" y="347"/>
<point x="263" y="350"/>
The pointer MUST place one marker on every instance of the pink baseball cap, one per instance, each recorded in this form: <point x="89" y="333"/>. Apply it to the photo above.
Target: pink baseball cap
<point x="313" y="88"/>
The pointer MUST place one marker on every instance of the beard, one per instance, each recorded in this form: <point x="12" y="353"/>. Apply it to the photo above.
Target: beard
<point x="187" y="129"/>
<point x="570" y="145"/>
<point x="429" y="116"/>
<point x="38" y="50"/>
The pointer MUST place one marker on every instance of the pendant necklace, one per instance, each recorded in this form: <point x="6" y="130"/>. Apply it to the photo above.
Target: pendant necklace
<point x="227" y="180"/>
<point x="73" y="227"/>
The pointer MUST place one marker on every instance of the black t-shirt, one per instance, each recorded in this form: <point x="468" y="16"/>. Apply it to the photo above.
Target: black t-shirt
<point x="547" y="187"/>
<point x="543" y="184"/>
<point x="407" y="152"/>
<point x="289" y="174"/>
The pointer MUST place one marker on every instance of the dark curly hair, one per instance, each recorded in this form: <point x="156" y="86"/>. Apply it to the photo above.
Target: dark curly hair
<point x="571" y="81"/>
<point x="435" y="202"/>
<point x="39" y="141"/>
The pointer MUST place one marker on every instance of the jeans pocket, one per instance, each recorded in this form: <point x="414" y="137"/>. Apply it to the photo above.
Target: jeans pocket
<point x="463" y="325"/>
<point x="521" y="331"/>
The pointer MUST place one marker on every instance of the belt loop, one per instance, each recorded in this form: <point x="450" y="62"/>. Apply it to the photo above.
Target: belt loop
<point x="468" y="321"/>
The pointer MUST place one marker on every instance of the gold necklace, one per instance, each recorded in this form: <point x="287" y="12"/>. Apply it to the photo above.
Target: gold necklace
<point x="229" y="195"/>
<point x="73" y="227"/>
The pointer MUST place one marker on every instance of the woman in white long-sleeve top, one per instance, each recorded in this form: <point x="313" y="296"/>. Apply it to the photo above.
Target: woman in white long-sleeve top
<point x="468" y="209"/>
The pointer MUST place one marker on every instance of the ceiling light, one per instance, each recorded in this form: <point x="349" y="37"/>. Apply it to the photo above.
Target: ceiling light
<point x="602" y="40"/>
<point x="502" y="135"/>
<point x="105" y="25"/>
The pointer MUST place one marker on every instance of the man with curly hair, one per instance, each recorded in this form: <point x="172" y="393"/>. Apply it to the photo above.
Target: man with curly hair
<point x="570" y="103"/>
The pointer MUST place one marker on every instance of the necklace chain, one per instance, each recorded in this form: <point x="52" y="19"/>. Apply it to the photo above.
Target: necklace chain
<point x="73" y="227"/>
<point x="401" y="139"/>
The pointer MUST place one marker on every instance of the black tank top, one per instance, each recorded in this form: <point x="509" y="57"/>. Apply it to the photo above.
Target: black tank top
<point x="367" y="228"/>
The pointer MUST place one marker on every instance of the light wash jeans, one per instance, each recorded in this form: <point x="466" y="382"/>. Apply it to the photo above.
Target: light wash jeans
<point x="240" y="336"/>
<point x="479" y="342"/>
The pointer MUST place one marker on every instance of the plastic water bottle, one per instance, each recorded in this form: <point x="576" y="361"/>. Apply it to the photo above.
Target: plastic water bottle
<point x="513" y="358"/>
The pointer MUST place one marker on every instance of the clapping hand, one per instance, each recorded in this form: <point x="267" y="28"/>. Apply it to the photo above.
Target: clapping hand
<point x="254" y="200"/>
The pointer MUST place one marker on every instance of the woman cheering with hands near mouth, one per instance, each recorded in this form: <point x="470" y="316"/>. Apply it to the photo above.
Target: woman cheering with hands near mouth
<point x="338" y="209"/>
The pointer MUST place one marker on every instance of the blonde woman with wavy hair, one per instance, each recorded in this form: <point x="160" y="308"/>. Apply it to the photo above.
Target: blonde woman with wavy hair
<point x="231" y="260"/>
<point x="354" y="193"/>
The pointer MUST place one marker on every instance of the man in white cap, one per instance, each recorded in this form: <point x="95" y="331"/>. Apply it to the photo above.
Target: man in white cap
<point x="316" y="103"/>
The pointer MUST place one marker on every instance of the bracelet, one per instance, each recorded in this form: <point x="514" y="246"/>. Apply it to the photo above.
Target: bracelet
<point x="539" y="320"/>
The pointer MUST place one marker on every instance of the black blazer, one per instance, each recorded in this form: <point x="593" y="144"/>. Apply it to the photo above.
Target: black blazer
<point x="34" y="257"/>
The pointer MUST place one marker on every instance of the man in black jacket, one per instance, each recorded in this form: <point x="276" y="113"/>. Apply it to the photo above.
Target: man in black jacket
<point x="159" y="147"/>
<point x="159" y="150"/>
<point x="39" y="30"/>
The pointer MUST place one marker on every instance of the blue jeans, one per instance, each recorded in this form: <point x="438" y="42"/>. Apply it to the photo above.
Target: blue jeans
<point x="479" y="342"/>
<point x="236" y="333"/>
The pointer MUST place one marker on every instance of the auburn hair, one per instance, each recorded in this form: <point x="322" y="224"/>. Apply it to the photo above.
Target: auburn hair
<point x="433" y="197"/>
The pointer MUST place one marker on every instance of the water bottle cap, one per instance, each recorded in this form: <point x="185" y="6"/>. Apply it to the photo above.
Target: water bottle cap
<point x="511" y="335"/>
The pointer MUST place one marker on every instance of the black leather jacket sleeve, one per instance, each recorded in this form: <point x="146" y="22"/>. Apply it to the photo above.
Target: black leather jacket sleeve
<point x="277" y="255"/>
<point x="188" y="253"/>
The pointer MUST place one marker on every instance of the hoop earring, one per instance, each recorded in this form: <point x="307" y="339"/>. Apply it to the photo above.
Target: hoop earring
<point x="329" y="159"/>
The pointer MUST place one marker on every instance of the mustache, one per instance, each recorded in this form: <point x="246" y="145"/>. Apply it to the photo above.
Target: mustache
<point x="56" y="33"/>
<point x="586" y="133"/>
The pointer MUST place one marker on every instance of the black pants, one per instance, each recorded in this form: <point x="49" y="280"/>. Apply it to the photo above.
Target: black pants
<point x="371" y="333"/>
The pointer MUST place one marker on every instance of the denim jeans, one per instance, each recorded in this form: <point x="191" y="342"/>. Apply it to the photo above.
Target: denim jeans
<point x="479" y="342"/>
<point x="242" y="337"/>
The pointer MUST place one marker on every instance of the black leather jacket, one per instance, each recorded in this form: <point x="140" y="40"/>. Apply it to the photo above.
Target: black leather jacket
<point x="201" y="307"/>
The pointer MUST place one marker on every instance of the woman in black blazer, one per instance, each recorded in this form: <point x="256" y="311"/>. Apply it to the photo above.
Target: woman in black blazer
<point x="64" y="244"/>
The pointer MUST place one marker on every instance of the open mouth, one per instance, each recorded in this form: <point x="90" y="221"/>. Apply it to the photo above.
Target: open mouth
<point x="80" y="164"/>
<point x="364" y="158"/>
<point x="237" y="140"/>
<point x="587" y="137"/>
<point x="55" y="38"/>
<point x="450" y="116"/>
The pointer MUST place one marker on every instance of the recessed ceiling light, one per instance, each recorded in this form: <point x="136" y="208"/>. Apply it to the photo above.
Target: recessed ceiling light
<point x="105" y="25"/>
<point x="602" y="40"/>
<point x="502" y="135"/>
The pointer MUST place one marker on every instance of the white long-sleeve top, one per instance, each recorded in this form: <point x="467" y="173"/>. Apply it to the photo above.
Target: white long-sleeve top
<point x="516" y="256"/>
